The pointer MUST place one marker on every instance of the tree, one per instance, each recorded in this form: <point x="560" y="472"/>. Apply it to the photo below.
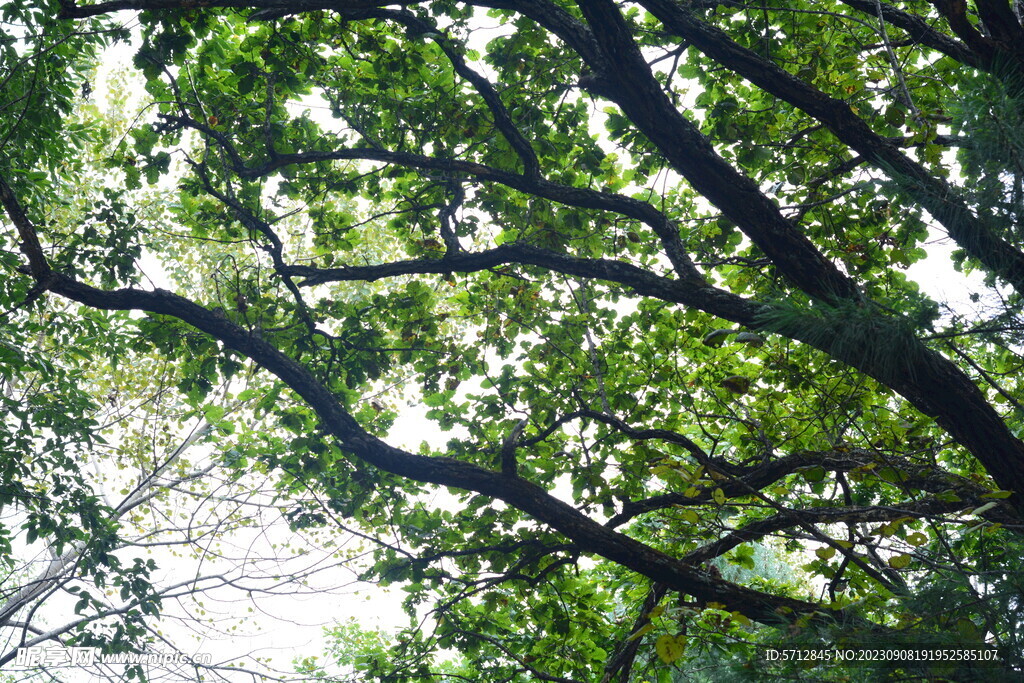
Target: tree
<point x="647" y="264"/>
<point x="124" y="500"/>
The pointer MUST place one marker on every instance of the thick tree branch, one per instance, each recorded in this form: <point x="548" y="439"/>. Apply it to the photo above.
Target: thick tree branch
<point x="587" y="534"/>
<point x="918" y="29"/>
<point x="931" y="382"/>
<point x="617" y="60"/>
<point x="1001" y="23"/>
<point x="955" y="13"/>
<point x="636" y="91"/>
<point x="621" y="663"/>
<point x="838" y="515"/>
<point x="742" y="481"/>
<point x="939" y="198"/>
<point x="666" y="229"/>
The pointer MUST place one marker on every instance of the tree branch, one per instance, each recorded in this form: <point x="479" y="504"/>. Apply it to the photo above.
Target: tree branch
<point x="666" y="229"/>
<point x="918" y="29"/>
<point x="840" y="515"/>
<point x="589" y="535"/>
<point x="502" y="120"/>
<point x="937" y="196"/>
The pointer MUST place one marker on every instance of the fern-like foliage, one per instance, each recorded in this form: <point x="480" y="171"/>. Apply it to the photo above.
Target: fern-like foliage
<point x="849" y="331"/>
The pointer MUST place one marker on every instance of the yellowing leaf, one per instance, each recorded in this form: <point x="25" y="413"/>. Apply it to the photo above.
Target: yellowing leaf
<point x="661" y="471"/>
<point x="967" y="628"/>
<point x="670" y="648"/>
<point x="917" y="538"/>
<point x="690" y="516"/>
<point x="719" y="496"/>
<point x="900" y="561"/>
<point x="741" y="619"/>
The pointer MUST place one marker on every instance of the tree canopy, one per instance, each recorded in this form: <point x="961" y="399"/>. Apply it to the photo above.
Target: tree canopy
<point x="661" y="272"/>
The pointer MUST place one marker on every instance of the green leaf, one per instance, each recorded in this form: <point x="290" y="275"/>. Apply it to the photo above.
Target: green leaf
<point x="814" y="474"/>
<point x="716" y="338"/>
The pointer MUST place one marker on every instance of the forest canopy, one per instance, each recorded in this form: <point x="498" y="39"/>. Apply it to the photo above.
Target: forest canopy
<point x="707" y="316"/>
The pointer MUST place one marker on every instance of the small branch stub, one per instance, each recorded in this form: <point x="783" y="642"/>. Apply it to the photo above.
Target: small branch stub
<point x="508" y="448"/>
